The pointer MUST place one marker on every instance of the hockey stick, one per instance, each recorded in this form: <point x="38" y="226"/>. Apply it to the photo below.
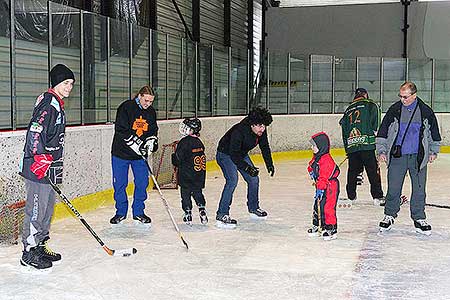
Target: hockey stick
<point x="122" y="252"/>
<point x="166" y="204"/>
<point x="438" y="205"/>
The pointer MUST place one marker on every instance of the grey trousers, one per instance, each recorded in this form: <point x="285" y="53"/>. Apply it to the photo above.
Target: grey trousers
<point x="396" y="177"/>
<point x="38" y="213"/>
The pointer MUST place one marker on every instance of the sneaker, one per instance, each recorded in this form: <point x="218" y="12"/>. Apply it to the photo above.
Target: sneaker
<point x="314" y="231"/>
<point x="187" y="217"/>
<point x="422" y="227"/>
<point x="226" y="222"/>
<point x="386" y="223"/>
<point x="258" y="214"/>
<point x="48" y="253"/>
<point x="116" y="219"/>
<point x="379" y="201"/>
<point x="203" y="215"/>
<point x="144" y="219"/>
<point x="34" y="259"/>
<point x="330" y="234"/>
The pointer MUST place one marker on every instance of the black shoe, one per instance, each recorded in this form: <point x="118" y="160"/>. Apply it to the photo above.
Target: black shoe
<point x="117" y="219"/>
<point x="422" y="227"/>
<point x="203" y="215"/>
<point x="330" y="233"/>
<point x="226" y="222"/>
<point x="48" y="253"/>
<point x="143" y="219"/>
<point x="187" y="217"/>
<point x="314" y="231"/>
<point x="258" y="214"/>
<point x="35" y="259"/>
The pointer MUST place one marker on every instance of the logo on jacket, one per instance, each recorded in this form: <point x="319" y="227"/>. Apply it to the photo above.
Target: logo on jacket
<point x="355" y="138"/>
<point x="200" y="163"/>
<point x="140" y="125"/>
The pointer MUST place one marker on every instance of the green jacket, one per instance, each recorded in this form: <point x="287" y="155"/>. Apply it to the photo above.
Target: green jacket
<point x="359" y="124"/>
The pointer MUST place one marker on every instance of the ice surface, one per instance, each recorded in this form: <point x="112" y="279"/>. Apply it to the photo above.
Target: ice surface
<point x="272" y="259"/>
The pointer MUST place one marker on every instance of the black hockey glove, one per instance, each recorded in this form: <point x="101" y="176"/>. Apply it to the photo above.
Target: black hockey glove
<point x="252" y="171"/>
<point x="271" y="170"/>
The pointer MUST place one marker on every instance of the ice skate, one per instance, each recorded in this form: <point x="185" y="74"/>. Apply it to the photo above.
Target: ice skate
<point x="330" y="234"/>
<point x="258" y="214"/>
<point x="314" y="231"/>
<point x="226" y="222"/>
<point x="117" y="221"/>
<point x="386" y="223"/>
<point x="422" y="227"/>
<point x="34" y="261"/>
<point x="203" y="215"/>
<point x="379" y="201"/>
<point x="143" y="221"/>
<point x="47" y="253"/>
<point x="187" y="217"/>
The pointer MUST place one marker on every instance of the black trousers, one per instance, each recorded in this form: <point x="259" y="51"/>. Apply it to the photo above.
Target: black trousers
<point x="357" y="162"/>
<point x="186" y="194"/>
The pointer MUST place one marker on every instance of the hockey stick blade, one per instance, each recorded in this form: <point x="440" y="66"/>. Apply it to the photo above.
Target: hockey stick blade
<point x="121" y="252"/>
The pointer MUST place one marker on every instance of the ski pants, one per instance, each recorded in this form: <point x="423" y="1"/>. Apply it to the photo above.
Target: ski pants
<point x="120" y="169"/>
<point x="356" y="162"/>
<point x="327" y="206"/>
<point x="39" y="208"/>
<point x="187" y="193"/>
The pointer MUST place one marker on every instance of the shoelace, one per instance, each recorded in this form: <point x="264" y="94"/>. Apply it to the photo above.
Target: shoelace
<point x="48" y="250"/>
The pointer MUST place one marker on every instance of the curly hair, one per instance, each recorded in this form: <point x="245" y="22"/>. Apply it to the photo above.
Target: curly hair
<point x="259" y="115"/>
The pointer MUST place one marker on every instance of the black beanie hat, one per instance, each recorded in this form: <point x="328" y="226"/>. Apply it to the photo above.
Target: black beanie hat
<point x="59" y="73"/>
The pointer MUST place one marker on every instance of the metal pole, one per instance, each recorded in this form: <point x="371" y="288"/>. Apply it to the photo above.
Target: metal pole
<point x="12" y="69"/>
<point x="433" y="83"/>
<point x="268" y="80"/>
<point x="150" y="57"/>
<point x="381" y="82"/>
<point x="108" y="70"/>
<point x="288" y="85"/>
<point x="130" y="60"/>
<point x="357" y="73"/>
<point x="310" y="83"/>
<point x="247" y="87"/>
<point x="182" y="78"/>
<point x="229" y="81"/>
<point x="333" y="84"/>
<point x="213" y="100"/>
<point x="82" y="116"/>
<point x="406" y="69"/>
<point x="50" y="38"/>
<point x="167" y="76"/>
<point x="196" y="80"/>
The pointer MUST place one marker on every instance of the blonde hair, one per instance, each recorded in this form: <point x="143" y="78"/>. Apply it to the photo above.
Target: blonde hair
<point x="145" y="90"/>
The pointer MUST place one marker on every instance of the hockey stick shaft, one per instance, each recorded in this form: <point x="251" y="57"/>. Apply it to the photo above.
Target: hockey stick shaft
<point x="125" y="252"/>
<point x="438" y="205"/>
<point x="166" y="204"/>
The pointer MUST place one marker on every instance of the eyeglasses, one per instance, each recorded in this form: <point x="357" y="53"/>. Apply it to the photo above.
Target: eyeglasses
<point x="404" y="97"/>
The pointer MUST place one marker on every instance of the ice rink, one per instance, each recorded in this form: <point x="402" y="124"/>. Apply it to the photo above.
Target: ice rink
<point x="272" y="259"/>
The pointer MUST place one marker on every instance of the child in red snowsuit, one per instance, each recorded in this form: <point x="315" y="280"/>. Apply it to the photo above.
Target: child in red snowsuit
<point x="324" y="171"/>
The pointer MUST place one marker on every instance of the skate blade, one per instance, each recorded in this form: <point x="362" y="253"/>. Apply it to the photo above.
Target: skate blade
<point x="426" y="233"/>
<point x="256" y="218"/>
<point x="117" y="226"/>
<point x="330" y="238"/>
<point x="225" y="226"/>
<point x="27" y="269"/>
<point x="141" y="225"/>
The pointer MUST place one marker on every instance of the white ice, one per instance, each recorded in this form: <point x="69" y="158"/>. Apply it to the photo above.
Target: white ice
<point x="272" y="259"/>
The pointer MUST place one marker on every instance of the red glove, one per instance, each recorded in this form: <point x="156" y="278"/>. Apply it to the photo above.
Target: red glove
<point x="42" y="163"/>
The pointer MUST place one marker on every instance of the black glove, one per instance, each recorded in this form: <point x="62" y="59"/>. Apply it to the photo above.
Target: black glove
<point x="271" y="170"/>
<point x="151" y="143"/>
<point x="252" y="171"/>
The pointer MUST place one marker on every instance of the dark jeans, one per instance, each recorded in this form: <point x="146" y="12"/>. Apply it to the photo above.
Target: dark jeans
<point x="396" y="177"/>
<point x="186" y="194"/>
<point x="356" y="162"/>
<point x="230" y="172"/>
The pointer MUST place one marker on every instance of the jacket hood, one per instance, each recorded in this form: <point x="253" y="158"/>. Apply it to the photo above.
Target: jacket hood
<point x="322" y="142"/>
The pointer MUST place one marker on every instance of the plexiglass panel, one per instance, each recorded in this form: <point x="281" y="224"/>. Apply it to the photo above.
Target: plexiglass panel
<point x="278" y="67"/>
<point x="394" y="74"/>
<point x="321" y="84"/>
<point x="369" y="72"/>
<point x="344" y="83"/>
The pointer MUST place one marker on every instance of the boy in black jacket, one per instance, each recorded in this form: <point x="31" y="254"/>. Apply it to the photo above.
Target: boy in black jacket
<point x="190" y="160"/>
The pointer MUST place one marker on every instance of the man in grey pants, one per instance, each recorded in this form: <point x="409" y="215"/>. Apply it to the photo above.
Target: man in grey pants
<point x="408" y="139"/>
<point x="42" y="161"/>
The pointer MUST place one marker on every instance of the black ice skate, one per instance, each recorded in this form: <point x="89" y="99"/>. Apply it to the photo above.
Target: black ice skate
<point x="226" y="222"/>
<point x="379" y="201"/>
<point x="187" y="217"/>
<point x="330" y="233"/>
<point x="48" y="253"/>
<point x="314" y="231"/>
<point x="386" y="223"/>
<point x="203" y="215"/>
<point x="258" y="214"/>
<point x="34" y="260"/>
<point x="422" y="227"/>
<point x="143" y="220"/>
<point x="116" y="220"/>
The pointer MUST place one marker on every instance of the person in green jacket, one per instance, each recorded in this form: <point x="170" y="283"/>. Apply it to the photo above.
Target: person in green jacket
<point x="359" y="127"/>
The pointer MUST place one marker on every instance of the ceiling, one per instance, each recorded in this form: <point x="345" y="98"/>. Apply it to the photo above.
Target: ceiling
<point x="294" y="3"/>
